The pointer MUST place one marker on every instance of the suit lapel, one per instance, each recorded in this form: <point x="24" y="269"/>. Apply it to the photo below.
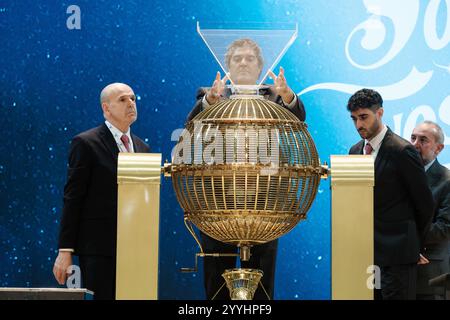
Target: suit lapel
<point x="108" y="140"/>
<point x="136" y="145"/>
<point x="381" y="155"/>
<point x="433" y="173"/>
<point x="357" y="148"/>
<point x="360" y="147"/>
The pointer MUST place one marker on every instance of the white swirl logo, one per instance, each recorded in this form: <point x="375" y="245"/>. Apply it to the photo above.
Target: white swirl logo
<point x="375" y="31"/>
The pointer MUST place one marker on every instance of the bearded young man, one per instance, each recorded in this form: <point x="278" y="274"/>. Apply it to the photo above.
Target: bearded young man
<point x="403" y="204"/>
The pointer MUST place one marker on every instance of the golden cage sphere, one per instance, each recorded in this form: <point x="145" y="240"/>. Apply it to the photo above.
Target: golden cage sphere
<point x="245" y="171"/>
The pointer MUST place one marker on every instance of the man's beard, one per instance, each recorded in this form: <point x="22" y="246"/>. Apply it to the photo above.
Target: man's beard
<point x="369" y="132"/>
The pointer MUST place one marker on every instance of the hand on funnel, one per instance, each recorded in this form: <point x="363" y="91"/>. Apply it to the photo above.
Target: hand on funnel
<point x="281" y="86"/>
<point x="217" y="88"/>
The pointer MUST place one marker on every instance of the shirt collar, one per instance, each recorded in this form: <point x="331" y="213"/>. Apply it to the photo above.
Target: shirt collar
<point x="117" y="134"/>
<point x="375" y="142"/>
<point x="115" y="131"/>
<point x="427" y="166"/>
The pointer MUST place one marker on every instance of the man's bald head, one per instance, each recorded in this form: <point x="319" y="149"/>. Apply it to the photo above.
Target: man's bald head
<point x="111" y="89"/>
<point x="118" y="103"/>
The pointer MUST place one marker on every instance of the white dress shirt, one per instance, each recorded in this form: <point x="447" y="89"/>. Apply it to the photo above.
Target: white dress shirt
<point x="117" y="134"/>
<point x="375" y="142"/>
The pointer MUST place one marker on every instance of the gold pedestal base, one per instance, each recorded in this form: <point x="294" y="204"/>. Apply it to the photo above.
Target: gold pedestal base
<point x="352" y="181"/>
<point x="242" y="283"/>
<point x="138" y="178"/>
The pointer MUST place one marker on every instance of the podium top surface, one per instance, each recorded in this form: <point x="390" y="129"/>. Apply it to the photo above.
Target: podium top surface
<point x="11" y="293"/>
<point x="17" y="289"/>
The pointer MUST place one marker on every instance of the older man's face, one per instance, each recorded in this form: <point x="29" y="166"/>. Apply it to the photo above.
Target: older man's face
<point x="121" y="105"/>
<point x="244" y="66"/>
<point x="425" y="142"/>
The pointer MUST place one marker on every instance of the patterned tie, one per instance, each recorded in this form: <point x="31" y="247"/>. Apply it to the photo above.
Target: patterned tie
<point x="126" y="142"/>
<point x="368" y="148"/>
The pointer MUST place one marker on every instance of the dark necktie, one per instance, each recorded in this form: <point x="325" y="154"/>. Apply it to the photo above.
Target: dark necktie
<point x="368" y="148"/>
<point x="126" y="142"/>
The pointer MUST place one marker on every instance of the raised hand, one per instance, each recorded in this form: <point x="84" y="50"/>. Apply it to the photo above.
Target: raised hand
<point x="281" y="86"/>
<point x="217" y="88"/>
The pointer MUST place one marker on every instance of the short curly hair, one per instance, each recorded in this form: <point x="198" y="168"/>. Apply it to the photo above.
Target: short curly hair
<point x="365" y="99"/>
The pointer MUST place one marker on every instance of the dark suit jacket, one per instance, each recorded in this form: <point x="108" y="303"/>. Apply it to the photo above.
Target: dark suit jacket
<point x="267" y="91"/>
<point x="437" y="242"/>
<point x="402" y="201"/>
<point x="89" y="217"/>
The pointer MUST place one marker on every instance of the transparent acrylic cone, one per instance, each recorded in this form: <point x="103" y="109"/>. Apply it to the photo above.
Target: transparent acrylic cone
<point x="273" y="39"/>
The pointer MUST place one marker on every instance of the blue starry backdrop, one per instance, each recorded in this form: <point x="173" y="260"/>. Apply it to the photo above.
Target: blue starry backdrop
<point x="51" y="76"/>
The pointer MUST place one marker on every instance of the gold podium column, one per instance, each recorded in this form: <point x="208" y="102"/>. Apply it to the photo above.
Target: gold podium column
<point x="352" y="181"/>
<point x="138" y="178"/>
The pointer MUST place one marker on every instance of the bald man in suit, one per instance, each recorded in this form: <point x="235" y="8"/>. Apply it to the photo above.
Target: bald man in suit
<point x="88" y="226"/>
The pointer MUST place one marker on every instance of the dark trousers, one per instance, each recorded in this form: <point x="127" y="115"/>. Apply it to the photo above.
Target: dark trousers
<point x="98" y="274"/>
<point x="428" y="271"/>
<point x="398" y="282"/>
<point x="430" y="297"/>
<point x="263" y="257"/>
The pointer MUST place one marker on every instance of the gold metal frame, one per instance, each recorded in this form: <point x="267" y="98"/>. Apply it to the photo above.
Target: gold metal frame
<point x="243" y="202"/>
